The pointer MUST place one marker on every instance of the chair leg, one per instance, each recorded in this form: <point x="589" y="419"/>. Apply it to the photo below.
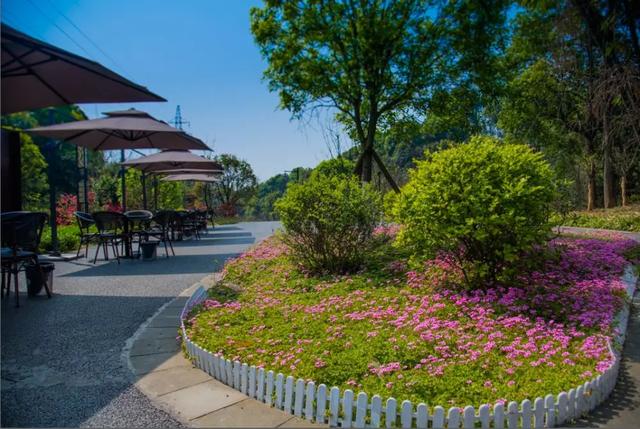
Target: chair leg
<point x="87" y="249"/>
<point x="97" y="250"/>
<point x="15" y="280"/>
<point x="8" y="282"/>
<point x="114" y="245"/>
<point x="79" y="247"/>
<point x="171" y="245"/>
<point x="44" y="280"/>
<point x="3" y="284"/>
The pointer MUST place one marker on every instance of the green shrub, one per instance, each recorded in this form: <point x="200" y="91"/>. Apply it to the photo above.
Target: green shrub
<point x="329" y="222"/>
<point x="484" y="202"/>
<point x="68" y="238"/>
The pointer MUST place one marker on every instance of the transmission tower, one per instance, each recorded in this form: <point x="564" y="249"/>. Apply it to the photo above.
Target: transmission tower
<point x="178" y="122"/>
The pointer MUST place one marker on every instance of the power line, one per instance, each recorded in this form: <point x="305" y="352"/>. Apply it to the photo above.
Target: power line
<point x="95" y="45"/>
<point x="59" y="28"/>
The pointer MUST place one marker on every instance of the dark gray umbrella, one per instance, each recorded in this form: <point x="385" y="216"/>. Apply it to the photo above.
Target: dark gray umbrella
<point x="191" y="178"/>
<point x="126" y="129"/>
<point x="173" y="160"/>
<point x="36" y="75"/>
<point x="189" y="171"/>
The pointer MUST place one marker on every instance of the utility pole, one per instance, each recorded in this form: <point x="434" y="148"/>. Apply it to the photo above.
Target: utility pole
<point x="178" y="122"/>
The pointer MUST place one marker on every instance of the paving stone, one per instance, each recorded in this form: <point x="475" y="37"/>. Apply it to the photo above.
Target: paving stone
<point x="166" y="332"/>
<point x="148" y="346"/>
<point x="247" y="413"/>
<point x="296" y="422"/>
<point x="165" y="322"/>
<point x="201" y="399"/>
<point x="157" y="362"/>
<point x="163" y="382"/>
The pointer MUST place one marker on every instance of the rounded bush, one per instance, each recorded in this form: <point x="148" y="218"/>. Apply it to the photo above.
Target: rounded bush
<point x="484" y="202"/>
<point x="329" y="222"/>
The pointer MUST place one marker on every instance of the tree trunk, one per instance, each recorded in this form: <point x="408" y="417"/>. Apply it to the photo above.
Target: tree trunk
<point x="623" y="189"/>
<point x="609" y="201"/>
<point x="591" y="186"/>
<point x="367" y="163"/>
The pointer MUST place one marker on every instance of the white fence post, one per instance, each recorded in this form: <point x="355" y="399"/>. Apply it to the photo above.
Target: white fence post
<point x="390" y="413"/>
<point x="309" y="396"/>
<point x="422" y="416"/>
<point x="347" y="408"/>
<point x="299" y="398"/>
<point x="279" y="390"/>
<point x="406" y="414"/>
<point x="376" y="411"/>
<point x="321" y="404"/>
<point x="334" y="406"/>
<point x="362" y="402"/>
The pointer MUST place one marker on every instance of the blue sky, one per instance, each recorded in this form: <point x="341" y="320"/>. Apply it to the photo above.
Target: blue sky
<point x="196" y="53"/>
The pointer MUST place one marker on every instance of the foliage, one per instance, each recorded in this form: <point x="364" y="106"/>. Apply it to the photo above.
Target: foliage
<point x="34" y="176"/>
<point x="335" y="167"/>
<point x="369" y="61"/>
<point x="329" y="222"/>
<point x="392" y="331"/>
<point x="66" y="206"/>
<point x="620" y="219"/>
<point x="236" y="185"/>
<point x="106" y="186"/>
<point x="484" y="201"/>
<point x="68" y="238"/>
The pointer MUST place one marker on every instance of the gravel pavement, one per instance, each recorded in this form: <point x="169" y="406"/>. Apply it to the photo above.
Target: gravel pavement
<point x="61" y="358"/>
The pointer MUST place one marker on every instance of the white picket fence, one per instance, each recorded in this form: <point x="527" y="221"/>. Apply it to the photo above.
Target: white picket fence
<point x="345" y="409"/>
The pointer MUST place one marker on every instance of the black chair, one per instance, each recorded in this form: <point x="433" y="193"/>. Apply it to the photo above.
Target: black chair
<point x="111" y="230"/>
<point x="163" y="222"/>
<point x="139" y="223"/>
<point x="21" y="233"/>
<point x="85" y="222"/>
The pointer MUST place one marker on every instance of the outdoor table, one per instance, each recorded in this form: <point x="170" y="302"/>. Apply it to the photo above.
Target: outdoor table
<point x="136" y="220"/>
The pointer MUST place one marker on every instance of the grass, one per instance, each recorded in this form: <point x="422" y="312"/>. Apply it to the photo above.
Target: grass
<point x="411" y="334"/>
<point x="619" y="218"/>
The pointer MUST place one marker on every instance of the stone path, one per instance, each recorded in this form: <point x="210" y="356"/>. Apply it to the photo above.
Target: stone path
<point x="61" y="362"/>
<point x="189" y="393"/>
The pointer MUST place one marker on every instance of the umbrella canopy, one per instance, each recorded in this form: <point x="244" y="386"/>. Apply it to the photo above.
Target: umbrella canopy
<point x="127" y="129"/>
<point x="173" y="160"/>
<point x="36" y="75"/>
<point x="191" y="177"/>
<point x="190" y="171"/>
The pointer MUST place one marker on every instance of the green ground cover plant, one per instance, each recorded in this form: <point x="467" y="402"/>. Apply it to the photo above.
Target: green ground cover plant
<point x="416" y="333"/>
<point x="619" y="218"/>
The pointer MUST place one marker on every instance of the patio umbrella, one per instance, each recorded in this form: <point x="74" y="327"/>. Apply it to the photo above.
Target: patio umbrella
<point x="36" y="74"/>
<point x="127" y="129"/>
<point x="167" y="160"/>
<point x="173" y="160"/>
<point x="202" y="177"/>
<point x="189" y="171"/>
<point x="191" y="178"/>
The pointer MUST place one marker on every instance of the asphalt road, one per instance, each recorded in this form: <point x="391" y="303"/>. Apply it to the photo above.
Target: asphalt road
<point x="61" y="358"/>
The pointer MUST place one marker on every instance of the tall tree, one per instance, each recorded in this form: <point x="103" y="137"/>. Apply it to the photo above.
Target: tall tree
<point x="236" y="185"/>
<point x="369" y="60"/>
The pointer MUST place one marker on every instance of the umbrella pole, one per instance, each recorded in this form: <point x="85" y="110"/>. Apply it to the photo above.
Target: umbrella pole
<point x="124" y="182"/>
<point x="155" y="192"/>
<point x="85" y="179"/>
<point x="144" y="190"/>
<point x="51" y="173"/>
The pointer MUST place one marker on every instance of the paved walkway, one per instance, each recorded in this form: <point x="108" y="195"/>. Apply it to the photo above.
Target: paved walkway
<point x="173" y="384"/>
<point x="61" y="358"/>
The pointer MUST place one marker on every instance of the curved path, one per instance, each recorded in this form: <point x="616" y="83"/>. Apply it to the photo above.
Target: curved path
<point x="61" y="358"/>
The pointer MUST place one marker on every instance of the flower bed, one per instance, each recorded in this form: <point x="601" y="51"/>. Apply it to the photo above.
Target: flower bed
<point x="405" y="333"/>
